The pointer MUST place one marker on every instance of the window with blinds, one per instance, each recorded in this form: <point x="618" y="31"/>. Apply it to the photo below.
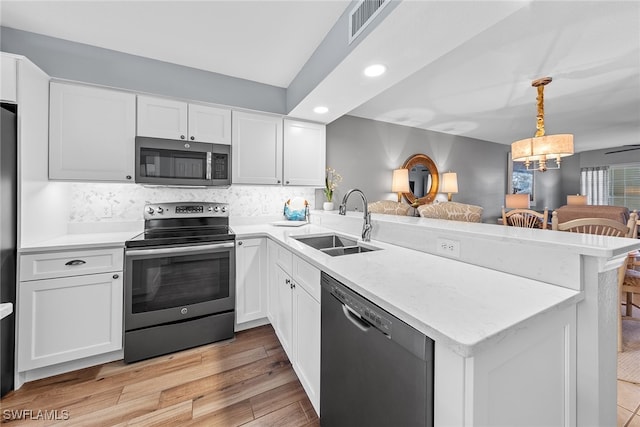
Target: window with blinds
<point x="594" y="183"/>
<point x="624" y="185"/>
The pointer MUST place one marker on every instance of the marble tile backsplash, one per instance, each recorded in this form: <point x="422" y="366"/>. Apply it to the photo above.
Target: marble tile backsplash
<point x="110" y="202"/>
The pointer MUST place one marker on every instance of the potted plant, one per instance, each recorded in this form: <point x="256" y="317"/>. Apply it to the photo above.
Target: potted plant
<point x="331" y="181"/>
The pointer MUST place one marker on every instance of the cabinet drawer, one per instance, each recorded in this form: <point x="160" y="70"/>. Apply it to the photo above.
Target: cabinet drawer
<point x="307" y="276"/>
<point x="70" y="263"/>
<point x="284" y="258"/>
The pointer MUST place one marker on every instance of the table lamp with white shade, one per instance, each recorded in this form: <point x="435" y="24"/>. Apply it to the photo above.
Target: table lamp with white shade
<point x="517" y="201"/>
<point x="400" y="182"/>
<point x="449" y="184"/>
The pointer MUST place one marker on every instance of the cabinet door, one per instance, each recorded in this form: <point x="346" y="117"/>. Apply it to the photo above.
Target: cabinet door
<point x="256" y="149"/>
<point x="91" y="133"/>
<point x="304" y="153"/>
<point x="8" y="78"/>
<point x="284" y="316"/>
<point x="272" y="305"/>
<point x="306" y="341"/>
<point x="69" y="318"/>
<point x="162" y="118"/>
<point x="251" y="280"/>
<point x="209" y="124"/>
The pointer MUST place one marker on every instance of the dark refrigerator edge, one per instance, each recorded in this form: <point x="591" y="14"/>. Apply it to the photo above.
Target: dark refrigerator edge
<point x="8" y="241"/>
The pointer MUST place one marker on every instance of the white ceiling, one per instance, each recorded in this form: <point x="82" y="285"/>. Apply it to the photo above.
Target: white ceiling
<point x="455" y="67"/>
<point x="262" y="40"/>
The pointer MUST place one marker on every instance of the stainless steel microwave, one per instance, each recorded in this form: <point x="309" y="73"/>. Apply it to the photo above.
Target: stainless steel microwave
<point x="174" y="162"/>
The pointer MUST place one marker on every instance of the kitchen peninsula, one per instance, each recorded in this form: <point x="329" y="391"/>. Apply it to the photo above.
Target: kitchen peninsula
<point x="545" y="329"/>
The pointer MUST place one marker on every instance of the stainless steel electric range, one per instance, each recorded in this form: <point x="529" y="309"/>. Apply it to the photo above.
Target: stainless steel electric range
<point x="179" y="279"/>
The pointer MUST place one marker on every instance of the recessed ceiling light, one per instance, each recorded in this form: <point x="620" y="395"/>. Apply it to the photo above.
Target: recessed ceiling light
<point x="320" y="110"/>
<point x="375" y="70"/>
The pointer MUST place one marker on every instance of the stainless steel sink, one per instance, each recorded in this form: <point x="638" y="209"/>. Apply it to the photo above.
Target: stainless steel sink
<point x="334" y="244"/>
<point x="346" y="250"/>
<point x="326" y="241"/>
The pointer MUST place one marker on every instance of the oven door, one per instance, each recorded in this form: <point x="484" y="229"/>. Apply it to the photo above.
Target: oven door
<point x="169" y="284"/>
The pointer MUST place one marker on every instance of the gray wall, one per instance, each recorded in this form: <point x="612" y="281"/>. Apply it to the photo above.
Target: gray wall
<point x="600" y="158"/>
<point x="571" y="165"/>
<point x="365" y="152"/>
<point x="76" y="61"/>
<point x="570" y="176"/>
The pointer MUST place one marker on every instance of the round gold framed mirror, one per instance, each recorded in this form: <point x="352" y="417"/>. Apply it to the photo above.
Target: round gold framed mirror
<point x="423" y="180"/>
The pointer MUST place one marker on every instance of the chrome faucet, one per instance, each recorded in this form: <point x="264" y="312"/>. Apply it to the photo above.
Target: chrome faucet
<point x="366" y="227"/>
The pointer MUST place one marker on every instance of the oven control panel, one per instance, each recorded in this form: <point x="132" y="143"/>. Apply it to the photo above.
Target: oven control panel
<point x="185" y="210"/>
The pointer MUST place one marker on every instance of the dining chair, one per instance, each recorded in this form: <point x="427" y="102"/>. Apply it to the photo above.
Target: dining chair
<point x="606" y="227"/>
<point x="630" y="280"/>
<point x="631" y="283"/>
<point x="526" y="218"/>
<point x="600" y="226"/>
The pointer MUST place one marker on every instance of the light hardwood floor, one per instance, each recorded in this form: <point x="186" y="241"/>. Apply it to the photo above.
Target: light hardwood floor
<point x="248" y="381"/>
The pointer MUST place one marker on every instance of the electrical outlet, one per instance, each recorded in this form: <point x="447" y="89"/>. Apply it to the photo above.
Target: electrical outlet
<point x="447" y="247"/>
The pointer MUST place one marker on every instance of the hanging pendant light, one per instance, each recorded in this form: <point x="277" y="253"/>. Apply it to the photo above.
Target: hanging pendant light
<point x="536" y="151"/>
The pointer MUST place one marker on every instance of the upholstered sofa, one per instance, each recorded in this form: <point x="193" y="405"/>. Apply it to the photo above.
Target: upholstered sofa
<point x="389" y="207"/>
<point x="453" y="211"/>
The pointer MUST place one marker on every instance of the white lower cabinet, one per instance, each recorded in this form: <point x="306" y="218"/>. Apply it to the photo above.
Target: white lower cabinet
<point x="306" y="342"/>
<point x="251" y="280"/>
<point x="283" y="323"/>
<point x="69" y="317"/>
<point x="294" y="311"/>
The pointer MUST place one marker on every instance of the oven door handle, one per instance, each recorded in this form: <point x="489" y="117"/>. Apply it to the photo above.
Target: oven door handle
<point x="179" y="250"/>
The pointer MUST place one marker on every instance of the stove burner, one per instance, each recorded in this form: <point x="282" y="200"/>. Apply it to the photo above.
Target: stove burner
<point x="181" y="236"/>
<point x="183" y="223"/>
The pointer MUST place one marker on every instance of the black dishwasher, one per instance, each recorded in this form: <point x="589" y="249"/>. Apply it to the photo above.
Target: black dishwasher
<point x="375" y="369"/>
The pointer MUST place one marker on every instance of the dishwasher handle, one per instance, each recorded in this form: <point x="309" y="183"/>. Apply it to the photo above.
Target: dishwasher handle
<point x="355" y="318"/>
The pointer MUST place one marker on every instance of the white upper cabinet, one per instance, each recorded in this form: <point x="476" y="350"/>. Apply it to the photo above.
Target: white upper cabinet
<point x="91" y="133"/>
<point x="171" y="119"/>
<point x="257" y="149"/>
<point x="270" y="150"/>
<point x="304" y="153"/>
<point x="8" y="78"/>
<point x="162" y="118"/>
<point x="209" y="124"/>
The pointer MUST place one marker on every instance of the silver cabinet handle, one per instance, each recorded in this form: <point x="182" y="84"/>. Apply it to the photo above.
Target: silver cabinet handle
<point x="181" y="136"/>
<point x="75" y="262"/>
<point x="239" y="243"/>
<point x="115" y="276"/>
<point x="193" y="138"/>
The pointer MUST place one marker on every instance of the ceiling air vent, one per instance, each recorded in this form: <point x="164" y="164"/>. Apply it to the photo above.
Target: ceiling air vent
<point x="362" y="15"/>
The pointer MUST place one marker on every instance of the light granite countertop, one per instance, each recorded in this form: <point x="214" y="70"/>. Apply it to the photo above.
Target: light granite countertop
<point x="80" y="241"/>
